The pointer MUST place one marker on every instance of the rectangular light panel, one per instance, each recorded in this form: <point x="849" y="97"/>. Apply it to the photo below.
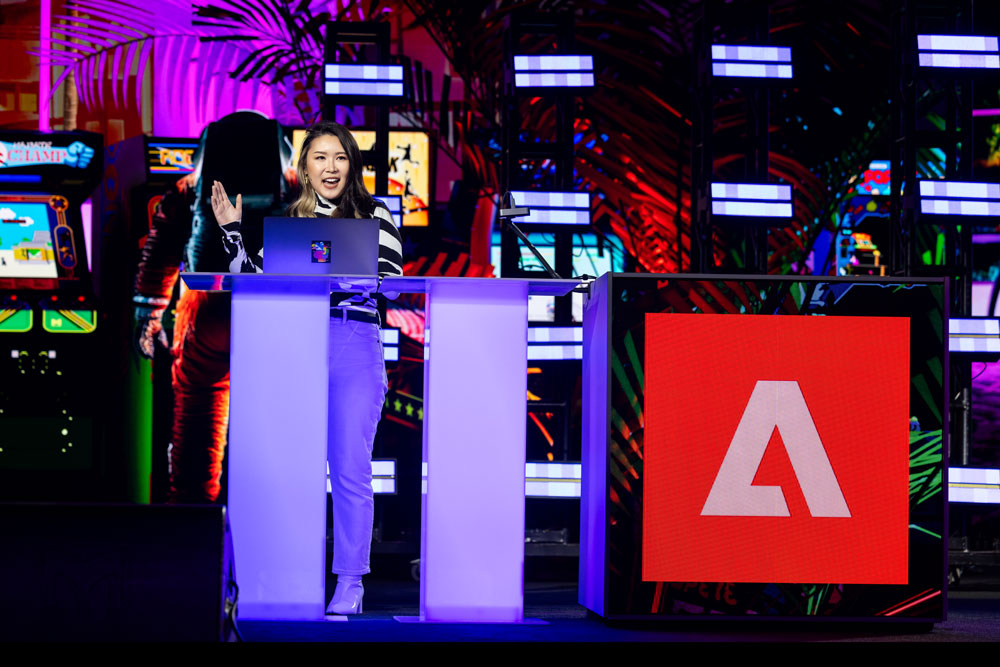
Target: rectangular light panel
<point x="974" y="335"/>
<point x="974" y="485"/>
<point x="756" y="200"/>
<point x="958" y="51"/>
<point x="390" y="343"/>
<point x="554" y="208"/>
<point x="553" y="71"/>
<point x="377" y="80"/>
<point x="758" y="62"/>
<point x="552" y="480"/>
<point x="555" y="343"/>
<point x="959" y="198"/>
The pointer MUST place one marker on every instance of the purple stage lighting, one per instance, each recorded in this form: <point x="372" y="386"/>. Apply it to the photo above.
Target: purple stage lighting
<point x="553" y="71"/>
<point x="759" y="62"/>
<point x="379" y="80"/>
<point x="754" y="200"/>
<point x="554" y="208"/>
<point x="958" y="51"/>
<point x="959" y="198"/>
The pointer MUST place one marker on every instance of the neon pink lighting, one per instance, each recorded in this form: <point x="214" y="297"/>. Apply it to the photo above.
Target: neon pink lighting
<point x="87" y="216"/>
<point x="45" y="74"/>
<point x="277" y="445"/>
<point x="896" y="611"/>
<point x="472" y="528"/>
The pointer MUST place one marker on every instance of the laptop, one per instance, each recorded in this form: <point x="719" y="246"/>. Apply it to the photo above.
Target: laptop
<point x="321" y="246"/>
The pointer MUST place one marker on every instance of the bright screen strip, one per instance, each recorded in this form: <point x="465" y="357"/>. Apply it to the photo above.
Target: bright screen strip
<point x="974" y="485"/>
<point x="380" y="80"/>
<point x="390" y="343"/>
<point x="395" y="205"/>
<point x="756" y="200"/>
<point x="541" y="480"/>
<point x="555" y="343"/>
<point x="974" y="335"/>
<point x="553" y="71"/>
<point x="959" y="198"/>
<point x="554" y="352"/>
<point x="383" y="476"/>
<point x="553" y="208"/>
<point x="555" y="335"/>
<point x="958" y="51"/>
<point x="552" y="480"/>
<point x="759" y="62"/>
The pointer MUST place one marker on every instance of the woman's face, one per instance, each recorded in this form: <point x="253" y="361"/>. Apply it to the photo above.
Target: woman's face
<point x="327" y="166"/>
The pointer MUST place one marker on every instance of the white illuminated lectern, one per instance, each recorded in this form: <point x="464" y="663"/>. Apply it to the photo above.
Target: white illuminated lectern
<point x="472" y="514"/>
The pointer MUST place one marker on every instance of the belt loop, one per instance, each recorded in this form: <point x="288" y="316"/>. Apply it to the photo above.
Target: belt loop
<point x="343" y="316"/>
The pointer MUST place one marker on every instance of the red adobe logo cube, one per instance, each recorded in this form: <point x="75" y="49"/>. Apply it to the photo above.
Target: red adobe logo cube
<point x="776" y="449"/>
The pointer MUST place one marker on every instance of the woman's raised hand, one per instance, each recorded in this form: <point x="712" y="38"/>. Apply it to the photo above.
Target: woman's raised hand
<point x="224" y="211"/>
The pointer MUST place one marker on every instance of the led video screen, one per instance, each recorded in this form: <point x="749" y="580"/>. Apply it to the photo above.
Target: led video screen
<point x="775" y="447"/>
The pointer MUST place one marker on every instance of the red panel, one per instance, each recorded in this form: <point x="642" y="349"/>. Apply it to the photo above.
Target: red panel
<point x="853" y="374"/>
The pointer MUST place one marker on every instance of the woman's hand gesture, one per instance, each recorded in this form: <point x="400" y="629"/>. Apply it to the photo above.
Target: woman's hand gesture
<point x="225" y="212"/>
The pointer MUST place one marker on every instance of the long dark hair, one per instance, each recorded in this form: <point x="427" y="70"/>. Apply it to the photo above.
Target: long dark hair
<point x="356" y="202"/>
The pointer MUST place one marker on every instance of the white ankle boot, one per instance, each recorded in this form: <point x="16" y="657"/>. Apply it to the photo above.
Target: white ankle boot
<point x="347" y="596"/>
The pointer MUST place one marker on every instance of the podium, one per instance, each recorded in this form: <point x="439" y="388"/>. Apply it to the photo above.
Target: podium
<point x="472" y="499"/>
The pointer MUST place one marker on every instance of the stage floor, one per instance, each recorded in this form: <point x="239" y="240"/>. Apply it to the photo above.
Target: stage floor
<point x="973" y="616"/>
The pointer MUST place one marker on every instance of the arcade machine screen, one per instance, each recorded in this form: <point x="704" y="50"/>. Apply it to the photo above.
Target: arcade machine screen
<point x="26" y="249"/>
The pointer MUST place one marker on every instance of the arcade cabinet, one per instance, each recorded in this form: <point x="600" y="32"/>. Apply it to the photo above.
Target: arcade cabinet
<point x="57" y="439"/>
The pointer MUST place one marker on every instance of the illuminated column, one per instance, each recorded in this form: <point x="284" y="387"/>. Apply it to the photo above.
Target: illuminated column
<point x="277" y="445"/>
<point x="472" y="523"/>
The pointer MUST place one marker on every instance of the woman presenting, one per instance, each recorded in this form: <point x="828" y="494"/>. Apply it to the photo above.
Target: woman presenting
<point x="330" y="174"/>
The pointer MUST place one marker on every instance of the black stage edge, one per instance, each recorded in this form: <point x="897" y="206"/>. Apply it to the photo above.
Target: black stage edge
<point x="103" y="572"/>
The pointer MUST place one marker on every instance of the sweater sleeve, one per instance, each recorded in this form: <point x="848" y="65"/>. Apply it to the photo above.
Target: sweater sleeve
<point x="390" y="243"/>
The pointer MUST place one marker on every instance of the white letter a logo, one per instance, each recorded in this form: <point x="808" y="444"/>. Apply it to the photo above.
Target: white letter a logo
<point x="775" y="404"/>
